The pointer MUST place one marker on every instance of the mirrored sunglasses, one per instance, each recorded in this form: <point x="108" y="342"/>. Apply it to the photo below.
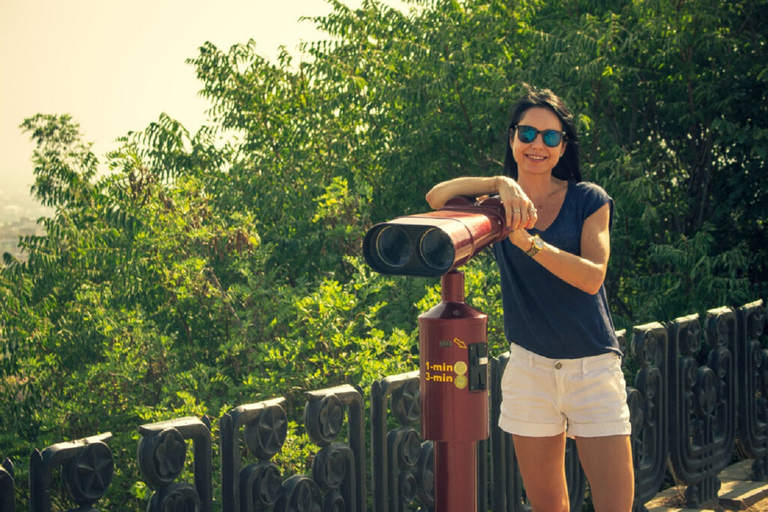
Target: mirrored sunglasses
<point x="527" y="134"/>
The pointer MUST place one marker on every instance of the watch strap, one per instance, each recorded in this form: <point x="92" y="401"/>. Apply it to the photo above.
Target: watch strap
<point x="537" y="244"/>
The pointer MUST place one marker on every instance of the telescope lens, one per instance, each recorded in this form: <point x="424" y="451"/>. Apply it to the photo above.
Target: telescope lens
<point x="393" y="246"/>
<point x="437" y="249"/>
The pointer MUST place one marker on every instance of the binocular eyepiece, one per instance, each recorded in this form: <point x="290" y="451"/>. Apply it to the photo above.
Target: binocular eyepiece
<point x="432" y="244"/>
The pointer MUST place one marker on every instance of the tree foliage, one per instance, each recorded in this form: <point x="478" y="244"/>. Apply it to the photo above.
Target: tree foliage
<point x="223" y="267"/>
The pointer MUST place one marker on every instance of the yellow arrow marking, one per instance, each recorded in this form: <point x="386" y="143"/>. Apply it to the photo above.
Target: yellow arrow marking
<point x="459" y="343"/>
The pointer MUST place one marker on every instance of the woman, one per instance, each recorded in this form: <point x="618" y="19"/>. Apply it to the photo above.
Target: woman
<point x="564" y="375"/>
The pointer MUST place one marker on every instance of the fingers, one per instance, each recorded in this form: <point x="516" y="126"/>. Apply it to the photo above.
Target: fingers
<point x="533" y="216"/>
<point x="509" y="214"/>
<point x="520" y="212"/>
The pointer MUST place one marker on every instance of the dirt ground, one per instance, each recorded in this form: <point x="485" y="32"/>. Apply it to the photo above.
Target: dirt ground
<point x="678" y="502"/>
<point x="737" y="485"/>
<point x="760" y="506"/>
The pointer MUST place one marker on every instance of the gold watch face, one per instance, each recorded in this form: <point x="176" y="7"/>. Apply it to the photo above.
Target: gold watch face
<point x="536" y="246"/>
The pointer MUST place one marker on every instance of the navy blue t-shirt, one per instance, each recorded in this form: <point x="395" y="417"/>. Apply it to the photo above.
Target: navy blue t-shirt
<point x="543" y="313"/>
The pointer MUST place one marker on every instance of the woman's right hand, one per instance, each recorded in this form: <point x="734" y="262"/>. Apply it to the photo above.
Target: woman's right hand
<point x="519" y="209"/>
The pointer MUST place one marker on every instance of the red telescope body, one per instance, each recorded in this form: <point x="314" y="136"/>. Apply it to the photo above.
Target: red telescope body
<point x="432" y="244"/>
<point x="453" y="348"/>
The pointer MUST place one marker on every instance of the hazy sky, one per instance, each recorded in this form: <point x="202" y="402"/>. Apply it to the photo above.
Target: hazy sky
<point x="114" y="66"/>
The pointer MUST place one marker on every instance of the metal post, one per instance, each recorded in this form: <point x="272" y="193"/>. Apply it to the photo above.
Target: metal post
<point x="454" y="393"/>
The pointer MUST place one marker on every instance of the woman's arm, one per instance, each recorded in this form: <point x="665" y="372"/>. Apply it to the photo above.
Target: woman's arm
<point x="517" y="206"/>
<point x="585" y="272"/>
<point x="467" y="186"/>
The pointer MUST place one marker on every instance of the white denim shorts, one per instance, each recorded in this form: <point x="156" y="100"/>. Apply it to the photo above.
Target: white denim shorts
<point x="544" y="397"/>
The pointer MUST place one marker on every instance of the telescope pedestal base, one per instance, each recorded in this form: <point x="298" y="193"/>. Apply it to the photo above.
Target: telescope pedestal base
<point x="455" y="476"/>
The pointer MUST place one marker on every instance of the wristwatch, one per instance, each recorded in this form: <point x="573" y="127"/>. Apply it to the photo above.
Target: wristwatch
<point x="537" y="246"/>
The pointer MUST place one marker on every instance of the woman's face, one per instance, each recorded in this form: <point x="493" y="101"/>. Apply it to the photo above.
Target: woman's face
<point x="535" y="157"/>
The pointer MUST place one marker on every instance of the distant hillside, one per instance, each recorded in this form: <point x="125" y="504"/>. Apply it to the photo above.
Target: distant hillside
<point x="18" y="217"/>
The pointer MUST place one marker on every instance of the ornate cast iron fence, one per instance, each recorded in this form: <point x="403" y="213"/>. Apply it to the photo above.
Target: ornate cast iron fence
<point x="696" y="391"/>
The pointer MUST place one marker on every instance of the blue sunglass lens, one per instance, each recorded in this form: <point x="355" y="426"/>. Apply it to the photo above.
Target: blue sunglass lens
<point x="551" y="138"/>
<point x="526" y="134"/>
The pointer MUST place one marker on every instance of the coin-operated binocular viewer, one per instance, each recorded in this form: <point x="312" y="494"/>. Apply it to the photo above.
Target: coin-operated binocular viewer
<point x="452" y="335"/>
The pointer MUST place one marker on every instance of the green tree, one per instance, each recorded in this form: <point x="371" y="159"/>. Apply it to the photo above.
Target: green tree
<point x="149" y="299"/>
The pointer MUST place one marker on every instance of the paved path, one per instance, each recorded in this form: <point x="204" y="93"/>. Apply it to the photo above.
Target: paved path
<point x="737" y="492"/>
